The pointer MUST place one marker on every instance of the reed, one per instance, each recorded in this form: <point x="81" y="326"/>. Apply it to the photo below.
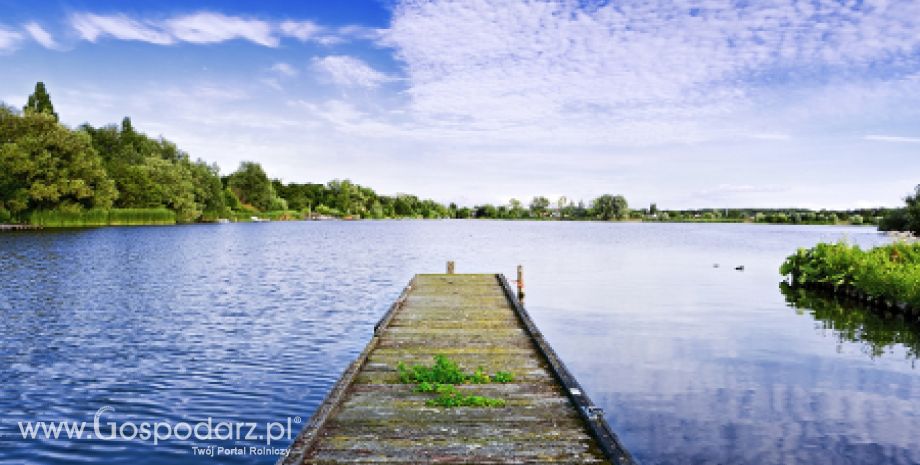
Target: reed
<point x="99" y="217"/>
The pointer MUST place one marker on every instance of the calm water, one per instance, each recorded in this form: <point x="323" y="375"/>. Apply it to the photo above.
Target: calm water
<point x="254" y="322"/>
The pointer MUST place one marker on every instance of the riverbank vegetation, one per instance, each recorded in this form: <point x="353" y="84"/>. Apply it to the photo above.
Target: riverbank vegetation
<point x="52" y="175"/>
<point x="886" y="276"/>
<point x="906" y="218"/>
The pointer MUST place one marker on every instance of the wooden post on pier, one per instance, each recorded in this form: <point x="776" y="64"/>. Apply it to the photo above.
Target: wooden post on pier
<point x="520" y="282"/>
<point x="450" y="267"/>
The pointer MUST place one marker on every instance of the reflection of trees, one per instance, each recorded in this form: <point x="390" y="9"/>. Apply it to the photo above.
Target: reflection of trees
<point x="853" y="322"/>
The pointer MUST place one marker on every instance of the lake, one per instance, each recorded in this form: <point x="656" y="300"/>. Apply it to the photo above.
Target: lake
<point x="693" y="363"/>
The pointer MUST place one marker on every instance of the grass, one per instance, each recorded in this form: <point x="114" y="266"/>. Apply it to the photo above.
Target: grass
<point x="442" y="378"/>
<point x="99" y="217"/>
<point x="887" y="275"/>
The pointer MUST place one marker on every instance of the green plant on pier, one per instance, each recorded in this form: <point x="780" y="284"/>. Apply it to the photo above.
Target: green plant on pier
<point x="442" y="378"/>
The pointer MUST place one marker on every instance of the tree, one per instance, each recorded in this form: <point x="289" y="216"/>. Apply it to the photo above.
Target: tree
<point x="40" y="102"/>
<point x="44" y="165"/>
<point x="607" y="207"/>
<point x="516" y="209"/>
<point x="653" y="209"/>
<point x="913" y="211"/>
<point x="561" y="204"/>
<point x="539" y="206"/>
<point x="486" y="211"/>
<point x="251" y="185"/>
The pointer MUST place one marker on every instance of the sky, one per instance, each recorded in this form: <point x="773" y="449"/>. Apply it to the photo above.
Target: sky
<point x="689" y="104"/>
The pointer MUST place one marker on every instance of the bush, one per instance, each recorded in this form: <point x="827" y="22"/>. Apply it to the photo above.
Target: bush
<point x="327" y="211"/>
<point x="890" y="273"/>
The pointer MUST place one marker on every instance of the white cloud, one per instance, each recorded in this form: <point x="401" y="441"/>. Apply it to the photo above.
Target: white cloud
<point x="199" y="28"/>
<point x="300" y="30"/>
<point x="9" y="40"/>
<point x="561" y="71"/>
<point x="91" y="27"/>
<point x="209" y="28"/>
<point x="900" y="139"/>
<point x="40" y="35"/>
<point x="348" y="71"/>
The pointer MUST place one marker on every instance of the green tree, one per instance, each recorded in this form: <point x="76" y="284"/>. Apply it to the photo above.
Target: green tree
<point x="44" y="165"/>
<point x="251" y="185"/>
<point x="607" y="207"/>
<point x="515" y="209"/>
<point x="912" y="211"/>
<point x="539" y="206"/>
<point x="486" y="211"/>
<point x="40" y="102"/>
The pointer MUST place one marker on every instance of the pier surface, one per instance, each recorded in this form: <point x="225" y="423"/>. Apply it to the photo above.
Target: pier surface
<point x="476" y="320"/>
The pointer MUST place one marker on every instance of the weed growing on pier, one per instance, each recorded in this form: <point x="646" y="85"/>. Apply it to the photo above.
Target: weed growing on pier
<point x="441" y="379"/>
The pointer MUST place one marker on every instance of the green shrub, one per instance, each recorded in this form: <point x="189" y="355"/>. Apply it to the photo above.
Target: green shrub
<point x="281" y="215"/>
<point x="327" y="211"/>
<point x="890" y="273"/>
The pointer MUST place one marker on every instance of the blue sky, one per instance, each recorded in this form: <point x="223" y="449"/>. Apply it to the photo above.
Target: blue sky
<point x="684" y="103"/>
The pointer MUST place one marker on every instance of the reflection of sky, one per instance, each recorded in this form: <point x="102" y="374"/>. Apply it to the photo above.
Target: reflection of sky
<point x="696" y="364"/>
<point x="693" y="364"/>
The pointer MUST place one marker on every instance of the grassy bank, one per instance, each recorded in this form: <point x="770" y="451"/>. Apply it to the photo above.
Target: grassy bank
<point x="887" y="276"/>
<point x="98" y="217"/>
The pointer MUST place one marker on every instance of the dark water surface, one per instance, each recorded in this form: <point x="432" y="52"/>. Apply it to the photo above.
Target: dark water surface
<point x="254" y="322"/>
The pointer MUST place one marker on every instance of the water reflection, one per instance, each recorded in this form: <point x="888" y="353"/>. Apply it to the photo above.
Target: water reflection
<point x="255" y="322"/>
<point x="879" y="332"/>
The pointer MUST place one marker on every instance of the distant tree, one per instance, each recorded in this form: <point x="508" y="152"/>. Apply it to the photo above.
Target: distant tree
<point x="251" y="185"/>
<point x="405" y="205"/>
<point x="40" y="102"/>
<point x="539" y="206"/>
<point x="607" y="207"/>
<point x="653" y="209"/>
<point x="561" y="204"/>
<point x="486" y="211"/>
<point x="515" y="209"/>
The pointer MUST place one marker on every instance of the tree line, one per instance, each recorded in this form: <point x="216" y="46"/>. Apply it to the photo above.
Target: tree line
<point x="906" y="218"/>
<point x="47" y="168"/>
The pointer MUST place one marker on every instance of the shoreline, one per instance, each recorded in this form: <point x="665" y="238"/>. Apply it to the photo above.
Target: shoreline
<point x="32" y="227"/>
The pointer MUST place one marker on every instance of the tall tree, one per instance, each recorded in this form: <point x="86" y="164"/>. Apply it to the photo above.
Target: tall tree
<point x="251" y="185"/>
<point x="607" y="207"/>
<point x="40" y="102"/>
<point x="539" y="206"/>
<point x="44" y="165"/>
